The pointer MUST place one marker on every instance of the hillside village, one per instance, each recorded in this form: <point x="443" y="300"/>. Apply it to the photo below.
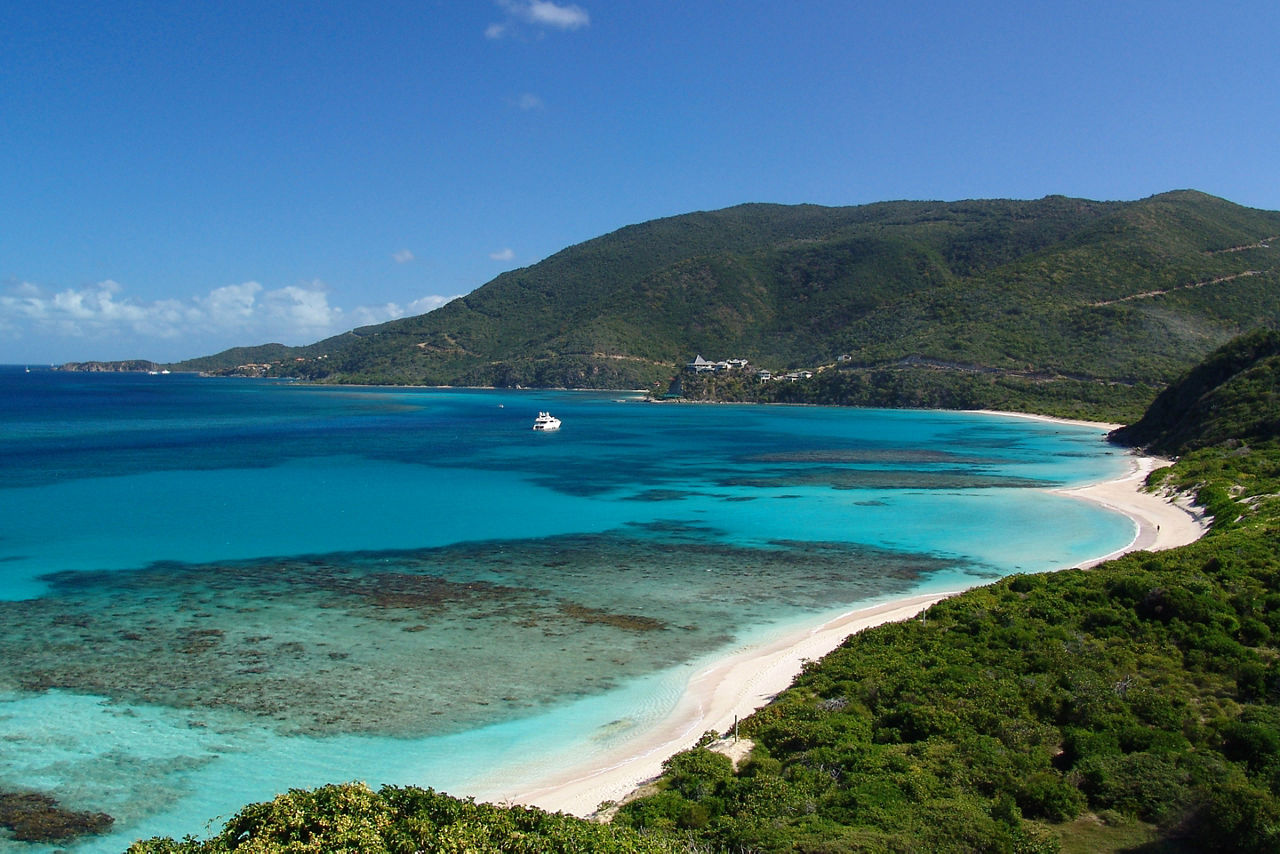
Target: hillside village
<point x="701" y="366"/>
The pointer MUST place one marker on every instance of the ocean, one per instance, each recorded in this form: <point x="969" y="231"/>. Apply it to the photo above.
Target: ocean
<point x="215" y="590"/>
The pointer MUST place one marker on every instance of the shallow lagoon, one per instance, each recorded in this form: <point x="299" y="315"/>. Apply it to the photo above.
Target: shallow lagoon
<point x="215" y="590"/>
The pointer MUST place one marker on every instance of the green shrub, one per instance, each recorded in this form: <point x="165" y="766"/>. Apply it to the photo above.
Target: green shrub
<point x="1046" y="795"/>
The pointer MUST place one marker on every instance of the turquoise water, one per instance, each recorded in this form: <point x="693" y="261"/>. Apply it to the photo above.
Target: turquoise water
<point x="215" y="590"/>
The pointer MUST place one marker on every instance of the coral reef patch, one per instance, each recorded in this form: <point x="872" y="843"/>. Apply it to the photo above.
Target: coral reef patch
<point x="420" y="642"/>
<point x="36" y="817"/>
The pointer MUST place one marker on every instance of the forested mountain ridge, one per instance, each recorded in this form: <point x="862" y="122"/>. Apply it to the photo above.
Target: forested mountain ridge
<point x="1115" y="294"/>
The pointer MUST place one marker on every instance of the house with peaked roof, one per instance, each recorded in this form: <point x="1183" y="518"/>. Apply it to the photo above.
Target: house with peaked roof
<point x="700" y="365"/>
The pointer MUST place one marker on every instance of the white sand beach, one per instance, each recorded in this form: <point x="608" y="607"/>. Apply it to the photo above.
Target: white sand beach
<point x="1162" y="521"/>
<point x="735" y="686"/>
<point x="728" y="689"/>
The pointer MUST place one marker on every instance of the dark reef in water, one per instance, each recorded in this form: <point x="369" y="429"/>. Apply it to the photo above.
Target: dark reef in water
<point x="840" y="478"/>
<point x="420" y="642"/>
<point x="630" y="622"/>
<point x="34" y="817"/>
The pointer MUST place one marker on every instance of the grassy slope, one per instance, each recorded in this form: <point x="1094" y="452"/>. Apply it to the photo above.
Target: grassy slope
<point x="1031" y="292"/>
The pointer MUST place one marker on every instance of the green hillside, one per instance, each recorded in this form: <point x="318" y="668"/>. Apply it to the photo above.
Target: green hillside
<point x="1121" y="296"/>
<point x="1232" y="396"/>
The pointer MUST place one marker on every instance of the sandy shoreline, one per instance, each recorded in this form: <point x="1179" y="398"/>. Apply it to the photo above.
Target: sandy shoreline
<point x="735" y="686"/>
<point x="1161" y="522"/>
<point x="716" y="695"/>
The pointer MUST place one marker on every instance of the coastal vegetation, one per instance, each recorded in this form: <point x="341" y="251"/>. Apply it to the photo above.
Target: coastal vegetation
<point x="1134" y="706"/>
<point x="1142" y="693"/>
<point x="917" y="386"/>
<point x="1058" y="305"/>
<point x="1138" y="700"/>
<point x="354" y="818"/>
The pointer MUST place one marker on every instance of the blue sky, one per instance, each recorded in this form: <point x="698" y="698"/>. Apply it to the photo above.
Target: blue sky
<point x="179" y="177"/>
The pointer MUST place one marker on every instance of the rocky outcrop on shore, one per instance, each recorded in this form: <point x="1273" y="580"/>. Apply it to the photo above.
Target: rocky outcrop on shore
<point x="126" y="366"/>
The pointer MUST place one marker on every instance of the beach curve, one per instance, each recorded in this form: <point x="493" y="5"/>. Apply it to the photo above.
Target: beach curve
<point x="722" y="691"/>
<point x="732" y="687"/>
<point x="1160" y="521"/>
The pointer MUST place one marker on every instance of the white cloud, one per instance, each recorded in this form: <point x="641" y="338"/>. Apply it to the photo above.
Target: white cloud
<point x="568" y="17"/>
<point x="404" y="256"/>
<point x="369" y="315"/>
<point x="539" y="14"/>
<point x="529" y="101"/>
<point x="301" y="309"/>
<point x="99" y="320"/>
<point x="503" y="254"/>
<point x="431" y="303"/>
<point x="230" y="303"/>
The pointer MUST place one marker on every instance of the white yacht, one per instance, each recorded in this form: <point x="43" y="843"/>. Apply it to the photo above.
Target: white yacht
<point x="546" y="421"/>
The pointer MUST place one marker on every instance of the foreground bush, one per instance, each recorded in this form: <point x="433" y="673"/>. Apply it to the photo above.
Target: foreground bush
<point x="353" y="818"/>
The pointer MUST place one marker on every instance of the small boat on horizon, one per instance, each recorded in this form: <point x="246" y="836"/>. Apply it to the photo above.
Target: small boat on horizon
<point x="546" y="421"/>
